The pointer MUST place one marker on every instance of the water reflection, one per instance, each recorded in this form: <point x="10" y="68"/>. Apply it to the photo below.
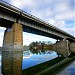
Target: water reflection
<point x="34" y="57"/>
<point x="13" y="62"/>
<point x="41" y="51"/>
<point x="70" y="70"/>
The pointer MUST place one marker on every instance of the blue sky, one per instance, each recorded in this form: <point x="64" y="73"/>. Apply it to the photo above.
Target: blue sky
<point x="60" y="13"/>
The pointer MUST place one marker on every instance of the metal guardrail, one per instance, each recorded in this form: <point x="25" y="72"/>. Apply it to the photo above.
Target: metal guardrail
<point x="35" y="18"/>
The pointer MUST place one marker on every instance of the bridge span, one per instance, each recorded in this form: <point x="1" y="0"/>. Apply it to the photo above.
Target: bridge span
<point x="17" y="20"/>
<point x="10" y="14"/>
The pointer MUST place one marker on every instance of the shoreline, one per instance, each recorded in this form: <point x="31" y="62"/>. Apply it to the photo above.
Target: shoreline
<point x="51" y="67"/>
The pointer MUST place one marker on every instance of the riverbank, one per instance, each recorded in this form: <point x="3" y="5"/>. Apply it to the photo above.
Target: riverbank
<point x="53" y="70"/>
<point x="50" y="67"/>
<point x="38" y="68"/>
<point x="68" y="70"/>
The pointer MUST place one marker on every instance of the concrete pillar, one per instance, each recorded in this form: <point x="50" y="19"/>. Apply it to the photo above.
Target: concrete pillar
<point x="12" y="52"/>
<point x="62" y="47"/>
<point x="54" y="47"/>
<point x="18" y="36"/>
<point x="72" y="47"/>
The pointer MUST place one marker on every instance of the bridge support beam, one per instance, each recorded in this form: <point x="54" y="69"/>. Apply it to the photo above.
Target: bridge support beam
<point x="72" y="47"/>
<point x="12" y="52"/>
<point x="62" y="47"/>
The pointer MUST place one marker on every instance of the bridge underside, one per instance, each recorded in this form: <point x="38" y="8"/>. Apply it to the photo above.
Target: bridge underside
<point x="39" y="32"/>
<point x="9" y="16"/>
<point x="8" y="24"/>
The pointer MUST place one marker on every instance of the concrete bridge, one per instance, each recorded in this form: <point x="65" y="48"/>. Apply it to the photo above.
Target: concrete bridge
<point x="16" y="21"/>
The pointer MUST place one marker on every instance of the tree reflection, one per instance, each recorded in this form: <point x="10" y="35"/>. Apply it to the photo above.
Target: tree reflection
<point x="40" y="52"/>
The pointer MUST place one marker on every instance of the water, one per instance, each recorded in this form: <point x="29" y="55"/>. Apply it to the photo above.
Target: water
<point x="70" y="70"/>
<point x="30" y="58"/>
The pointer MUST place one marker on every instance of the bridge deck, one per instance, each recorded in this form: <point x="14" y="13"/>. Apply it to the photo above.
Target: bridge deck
<point x="10" y="14"/>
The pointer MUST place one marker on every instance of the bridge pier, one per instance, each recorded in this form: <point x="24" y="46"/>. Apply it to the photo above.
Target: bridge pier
<point x="72" y="47"/>
<point x="62" y="47"/>
<point x="12" y="52"/>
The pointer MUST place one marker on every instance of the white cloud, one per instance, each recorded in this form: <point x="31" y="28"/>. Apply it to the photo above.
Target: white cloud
<point x="2" y="29"/>
<point x="62" y="25"/>
<point x="59" y="9"/>
<point x="67" y="15"/>
<point x="23" y="3"/>
<point x="57" y="23"/>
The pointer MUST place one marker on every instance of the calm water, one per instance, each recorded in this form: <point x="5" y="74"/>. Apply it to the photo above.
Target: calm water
<point x="70" y="70"/>
<point x="30" y="59"/>
<point x="33" y="57"/>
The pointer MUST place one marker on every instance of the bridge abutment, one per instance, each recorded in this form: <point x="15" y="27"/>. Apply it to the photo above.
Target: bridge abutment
<point x="12" y="51"/>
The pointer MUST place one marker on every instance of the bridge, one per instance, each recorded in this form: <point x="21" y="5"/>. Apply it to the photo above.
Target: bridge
<point x="16" y="21"/>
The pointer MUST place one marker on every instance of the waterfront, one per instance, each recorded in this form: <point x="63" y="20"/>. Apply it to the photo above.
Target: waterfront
<point x="69" y="70"/>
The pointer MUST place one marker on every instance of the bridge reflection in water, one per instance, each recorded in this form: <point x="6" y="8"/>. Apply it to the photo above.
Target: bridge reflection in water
<point x="12" y="62"/>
